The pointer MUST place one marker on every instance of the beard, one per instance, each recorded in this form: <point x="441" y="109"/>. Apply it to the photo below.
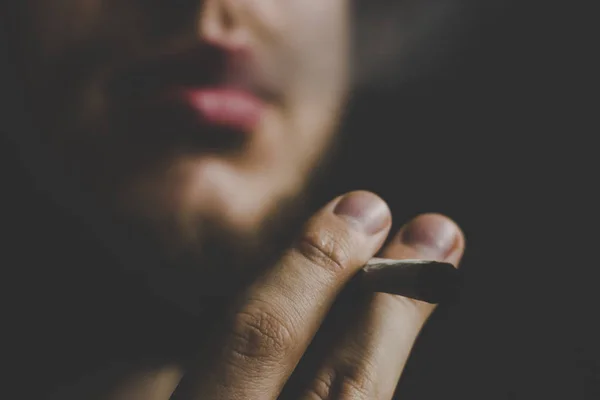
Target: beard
<point x="222" y="261"/>
<point x="216" y="266"/>
<point x="211" y="269"/>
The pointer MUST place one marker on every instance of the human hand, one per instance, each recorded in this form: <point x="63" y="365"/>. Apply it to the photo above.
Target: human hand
<point x="296" y="333"/>
<point x="276" y="319"/>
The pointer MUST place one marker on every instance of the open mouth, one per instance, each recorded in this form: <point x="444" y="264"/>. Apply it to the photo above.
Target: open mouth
<point x="205" y="99"/>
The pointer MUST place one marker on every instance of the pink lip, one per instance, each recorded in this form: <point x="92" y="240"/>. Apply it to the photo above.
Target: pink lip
<point x="225" y="107"/>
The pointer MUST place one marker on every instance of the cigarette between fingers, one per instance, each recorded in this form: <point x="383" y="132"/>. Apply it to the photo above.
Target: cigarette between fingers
<point x="429" y="281"/>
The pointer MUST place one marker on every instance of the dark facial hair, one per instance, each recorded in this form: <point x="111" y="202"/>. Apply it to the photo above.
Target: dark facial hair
<point x="130" y="245"/>
<point x="223" y="261"/>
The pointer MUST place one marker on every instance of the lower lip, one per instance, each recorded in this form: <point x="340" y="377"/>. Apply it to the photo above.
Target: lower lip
<point x="229" y="108"/>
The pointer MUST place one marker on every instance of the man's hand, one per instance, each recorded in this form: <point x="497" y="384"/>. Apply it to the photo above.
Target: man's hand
<point x="277" y="318"/>
<point x="273" y="323"/>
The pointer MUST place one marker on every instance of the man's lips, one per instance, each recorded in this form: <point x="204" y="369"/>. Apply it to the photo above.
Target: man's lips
<point x="225" y="107"/>
<point x="204" y="67"/>
<point x="204" y="97"/>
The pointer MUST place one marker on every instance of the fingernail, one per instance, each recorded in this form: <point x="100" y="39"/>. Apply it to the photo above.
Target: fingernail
<point x="434" y="235"/>
<point x="366" y="209"/>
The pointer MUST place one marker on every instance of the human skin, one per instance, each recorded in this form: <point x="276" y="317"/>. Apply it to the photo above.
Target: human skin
<point x="137" y="160"/>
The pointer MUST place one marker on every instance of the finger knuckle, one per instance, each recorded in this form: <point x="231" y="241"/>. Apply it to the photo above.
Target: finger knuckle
<point x="321" y="387"/>
<point x="357" y="384"/>
<point x="351" y="384"/>
<point x="328" y="249"/>
<point x="258" y="333"/>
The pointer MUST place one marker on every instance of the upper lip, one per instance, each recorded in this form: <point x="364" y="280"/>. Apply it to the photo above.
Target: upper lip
<point x="201" y="66"/>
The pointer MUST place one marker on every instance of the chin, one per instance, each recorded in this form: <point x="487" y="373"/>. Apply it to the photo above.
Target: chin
<point x="221" y="255"/>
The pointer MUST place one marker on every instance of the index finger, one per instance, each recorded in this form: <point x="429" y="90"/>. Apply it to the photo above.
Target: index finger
<point x="277" y="317"/>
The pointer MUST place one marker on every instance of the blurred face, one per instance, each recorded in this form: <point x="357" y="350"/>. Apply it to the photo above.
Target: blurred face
<point x="187" y="116"/>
